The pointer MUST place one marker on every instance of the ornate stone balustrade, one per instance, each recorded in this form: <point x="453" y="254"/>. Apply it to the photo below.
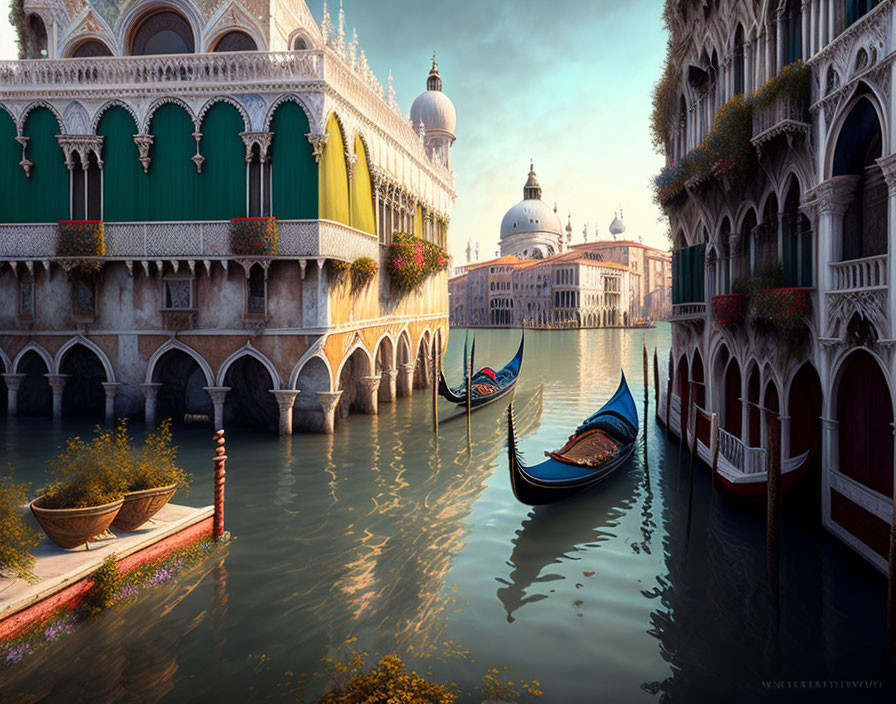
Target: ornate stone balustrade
<point x="786" y="114"/>
<point x="868" y="274"/>
<point x="688" y="311"/>
<point x="193" y="240"/>
<point x="128" y="75"/>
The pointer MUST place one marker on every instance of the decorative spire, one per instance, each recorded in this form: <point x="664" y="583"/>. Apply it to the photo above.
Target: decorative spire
<point x="469" y="251"/>
<point x="434" y="82"/>
<point x="532" y="189"/>
<point x="391" y="93"/>
<point x="325" y="24"/>
<point x="340" y="37"/>
<point x="585" y="232"/>
<point x="353" y="48"/>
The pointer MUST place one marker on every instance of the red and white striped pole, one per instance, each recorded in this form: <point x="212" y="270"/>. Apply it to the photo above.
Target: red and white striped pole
<point x="219" y="459"/>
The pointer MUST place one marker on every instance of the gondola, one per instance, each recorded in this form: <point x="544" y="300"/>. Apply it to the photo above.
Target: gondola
<point x="599" y="447"/>
<point x="486" y="385"/>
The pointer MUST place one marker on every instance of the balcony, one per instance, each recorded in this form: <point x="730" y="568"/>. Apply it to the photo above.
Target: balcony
<point x="868" y="274"/>
<point x="781" y="106"/>
<point x="682" y="312"/>
<point x="127" y="75"/>
<point x="298" y="239"/>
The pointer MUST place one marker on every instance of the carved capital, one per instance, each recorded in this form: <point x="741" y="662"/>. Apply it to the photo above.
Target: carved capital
<point x="24" y="163"/>
<point x="888" y="168"/>
<point x="144" y="144"/>
<point x="318" y="143"/>
<point x="82" y="145"/>
<point x="262" y="139"/>
<point x="217" y="393"/>
<point x="832" y="197"/>
<point x="285" y="399"/>
<point x="328" y="400"/>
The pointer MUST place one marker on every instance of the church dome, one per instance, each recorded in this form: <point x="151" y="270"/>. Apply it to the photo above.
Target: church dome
<point x="531" y="214"/>
<point x="433" y="108"/>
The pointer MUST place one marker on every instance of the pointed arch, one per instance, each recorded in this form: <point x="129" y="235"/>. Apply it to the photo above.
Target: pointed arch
<point x="240" y="108"/>
<point x="124" y="183"/>
<point x="44" y="195"/>
<point x="177" y="345"/>
<point x="356" y="344"/>
<point x="312" y="354"/>
<point x="108" y="105"/>
<point x="90" y="345"/>
<point x="174" y="184"/>
<point x="248" y="350"/>
<point x="222" y="187"/>
<point x="39" y="351"/>
<point x="333" y="194"/>
<point x="294" y="173"/>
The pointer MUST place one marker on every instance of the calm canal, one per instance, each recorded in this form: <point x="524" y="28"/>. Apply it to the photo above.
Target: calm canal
<point x="422" y="550"/>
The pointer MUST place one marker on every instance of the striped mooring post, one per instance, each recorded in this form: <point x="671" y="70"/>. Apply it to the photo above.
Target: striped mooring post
<point x="219" y="460"/>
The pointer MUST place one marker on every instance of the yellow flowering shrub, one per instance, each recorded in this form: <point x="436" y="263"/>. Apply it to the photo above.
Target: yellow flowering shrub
<point x="16" y="536"/>
<point x="389" y="682"/>
<point x="155" y="464"/>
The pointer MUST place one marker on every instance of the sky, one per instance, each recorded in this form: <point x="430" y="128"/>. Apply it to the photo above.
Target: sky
<point x="566" y="83"/>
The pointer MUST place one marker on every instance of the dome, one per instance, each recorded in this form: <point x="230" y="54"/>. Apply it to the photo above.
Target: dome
<point x="530" y="216"/>
<point x="435" y="110"/>
<point x="617" y="227"/>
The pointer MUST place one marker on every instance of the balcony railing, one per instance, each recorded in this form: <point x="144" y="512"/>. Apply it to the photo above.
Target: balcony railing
<point x="130" y="72"/>
<point x="786" y="114"/>
<point x="749" y="460"/>
<point x="688" y="311"/>
<point x="194" y="240"/>
<point x="868" y="274"/>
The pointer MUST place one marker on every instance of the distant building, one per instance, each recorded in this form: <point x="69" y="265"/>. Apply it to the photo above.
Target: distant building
<point x="540" y="281"/>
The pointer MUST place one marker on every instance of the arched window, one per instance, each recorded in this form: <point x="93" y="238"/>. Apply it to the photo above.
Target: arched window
<point x="748" y="246"/>
<point x="682" y="128"/>
<point x="725" y="257"/>
<point x="858" y="149"/>
<point x="164" y="32"/>
<point x="236" y="41"/>
<point x="739" y="62"/>
<point x="299" y="44"/>
<point x="767" y="241"/>
<point x="91" y="48"/>
<point x="797" y="241"/>
<point x="793" y="31"/>
<point x="34" y="38"/>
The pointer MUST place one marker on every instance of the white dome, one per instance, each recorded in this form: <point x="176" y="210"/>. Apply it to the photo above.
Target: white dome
<point x="530" y="216"/>
<point x="435" y="110"/>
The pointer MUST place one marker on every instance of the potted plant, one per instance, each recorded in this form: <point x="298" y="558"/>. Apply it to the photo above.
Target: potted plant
<point x="85" y="491"/>
<point x="363" y="270"/>
<point x="152" y="478"/>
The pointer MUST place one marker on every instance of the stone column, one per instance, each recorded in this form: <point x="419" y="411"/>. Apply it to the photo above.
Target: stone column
<point x="387" y="392"/>
<point x="369" y="386"/>
<point x="110" y="388"/>
<point x="13" y="384"/>
<point x="779" y="46"/>
<point x="406" y="378"/>
<point x="833" y="198"/>
<point x="329" y="400"/>
<point x="805" y="9"/>
<point x="150" y="392"/>
<point x="285" y="400"/>
<point x="218" y="395"/>
<point x="57" y="383"/>
<point x="888" y="167"/>
<point x="829" y="460"/>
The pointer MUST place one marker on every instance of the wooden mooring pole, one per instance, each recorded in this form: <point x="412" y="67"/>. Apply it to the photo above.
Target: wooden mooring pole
<point x="891" y="589"/>
<point x="436" y="374"/>
<point x="219" y="460"/>
<point x="656" y="382"/>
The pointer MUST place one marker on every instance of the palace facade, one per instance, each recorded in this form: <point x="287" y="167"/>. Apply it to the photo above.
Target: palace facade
<point x="782" y="208"/>
<point x="184" y="185"/>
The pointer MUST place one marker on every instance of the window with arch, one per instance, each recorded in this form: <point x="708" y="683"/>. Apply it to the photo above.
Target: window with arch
<point x="299" y="44"/>
<point x="797" y="241"/>
<point x="90" y="49"/>
<point x="856" y="9"/>
<point x="739" y="61"/>
<point x="793" y="31"/>
<point x="34" y="38"/>
<point x="235" y="41"/>
<point x="162" y="32"/>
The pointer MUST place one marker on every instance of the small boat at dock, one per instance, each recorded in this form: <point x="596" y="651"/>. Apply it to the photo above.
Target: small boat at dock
<point x="599" y="446"/>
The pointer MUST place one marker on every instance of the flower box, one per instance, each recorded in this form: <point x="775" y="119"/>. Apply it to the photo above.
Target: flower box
<point x="363" y="269"/>
<point x="254" y="237"/>
<point x="412" y="260"/>
<point x="729" y="309"/>
<point x="81" y="244"/>
<point x="784" y="309"/>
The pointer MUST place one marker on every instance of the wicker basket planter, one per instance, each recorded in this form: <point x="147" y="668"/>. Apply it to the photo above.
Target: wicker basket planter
<point x="729" y="310"/>
<point x="140" y="506"/>
<point x="254" y="237"/>
<point x="70" y="528"/>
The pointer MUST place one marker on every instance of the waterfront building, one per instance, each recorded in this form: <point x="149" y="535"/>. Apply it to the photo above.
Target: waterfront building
<point x="782" y="209"/>
<point x="158" y="126"/>
<point x="531" y="229"/>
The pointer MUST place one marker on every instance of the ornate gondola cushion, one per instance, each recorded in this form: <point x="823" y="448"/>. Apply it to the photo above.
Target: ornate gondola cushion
<point x="484" y="389"/>
<point x="589" y="449"/>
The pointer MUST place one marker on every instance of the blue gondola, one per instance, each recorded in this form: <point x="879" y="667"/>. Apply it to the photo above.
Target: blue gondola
<point x="598" y="447"/>
<point x="486" y="384"/>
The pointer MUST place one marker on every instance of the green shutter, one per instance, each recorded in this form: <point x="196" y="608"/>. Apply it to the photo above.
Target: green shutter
<point x="174" y="186"/>
<point x="11" y="174"/>
<point x="125" y="186"/>
<point x="223" y="179"/>
<point x="44" y="196"/>
<point x="294" y="172"/>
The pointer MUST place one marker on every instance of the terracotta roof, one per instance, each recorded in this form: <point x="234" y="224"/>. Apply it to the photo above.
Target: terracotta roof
<point x="607" y="244"/>
<point x="509" y="260"/>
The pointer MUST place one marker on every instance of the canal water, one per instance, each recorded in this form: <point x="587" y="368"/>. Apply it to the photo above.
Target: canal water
<point x="419" y="548"/>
